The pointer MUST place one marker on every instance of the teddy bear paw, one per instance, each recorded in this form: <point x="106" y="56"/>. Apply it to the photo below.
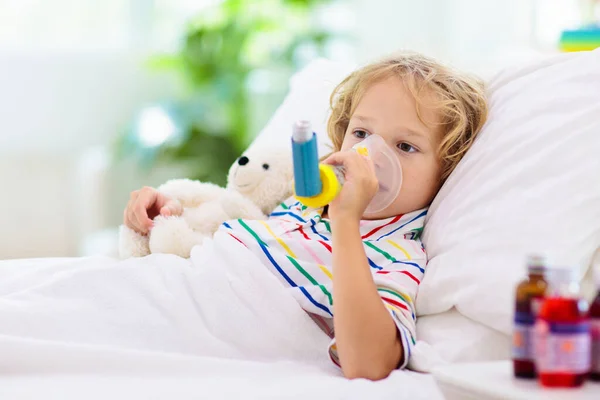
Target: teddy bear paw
<point x="172" y="235"/>
<point x="132" y="244"/>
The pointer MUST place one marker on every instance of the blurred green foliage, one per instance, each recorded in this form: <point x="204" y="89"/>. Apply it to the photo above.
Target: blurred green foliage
<point x="221" y="47"/>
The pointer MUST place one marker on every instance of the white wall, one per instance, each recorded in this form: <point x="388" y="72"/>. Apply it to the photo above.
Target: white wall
<point x="66" y="101"/>
<point x="53" y="107"/>
<point x="34" y="220"/>
<point x="479" y="35"/>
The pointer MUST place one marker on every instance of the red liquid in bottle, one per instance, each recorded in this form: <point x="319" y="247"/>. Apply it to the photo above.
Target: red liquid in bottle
<point x="595" y="327"/>
<point x="563" y="342"/>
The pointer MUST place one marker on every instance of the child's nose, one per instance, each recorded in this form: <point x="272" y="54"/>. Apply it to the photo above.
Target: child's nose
<point x="243" y="160"/>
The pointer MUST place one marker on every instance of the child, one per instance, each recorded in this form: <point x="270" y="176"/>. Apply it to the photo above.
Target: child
<point x="368" y="267"/>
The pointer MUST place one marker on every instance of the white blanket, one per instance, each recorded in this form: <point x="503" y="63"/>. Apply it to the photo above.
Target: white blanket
<point x="165" y="327"/>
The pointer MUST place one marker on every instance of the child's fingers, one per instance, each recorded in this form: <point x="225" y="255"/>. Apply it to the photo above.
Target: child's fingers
<point x="343" y="158"/>
<point x="172" y="208"/>
<point x="136" y="215"/>
<point x="351" y="161"/>
<point x="333" y="159"/>
<point x="130" y="218"/>
<point x="145" y="201"/>
<point x="141" y="220"/>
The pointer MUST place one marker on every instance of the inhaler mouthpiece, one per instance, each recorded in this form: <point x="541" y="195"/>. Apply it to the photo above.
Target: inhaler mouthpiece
<point x="387" y="169"/>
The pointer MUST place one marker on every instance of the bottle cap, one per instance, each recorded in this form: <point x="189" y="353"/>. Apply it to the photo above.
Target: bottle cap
<point x="536" y="264"/>
<point x="302" y="131"/>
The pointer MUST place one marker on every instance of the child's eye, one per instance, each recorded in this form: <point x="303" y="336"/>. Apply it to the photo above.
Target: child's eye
<point x="360" y="134"/>
<point x="407" y="148"/>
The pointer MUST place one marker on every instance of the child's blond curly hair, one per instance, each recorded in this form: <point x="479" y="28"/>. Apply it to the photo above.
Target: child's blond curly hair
<point x="458" y="98"/>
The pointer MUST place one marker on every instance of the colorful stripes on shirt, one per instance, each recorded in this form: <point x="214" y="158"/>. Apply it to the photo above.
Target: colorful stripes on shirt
<point x="295" y="244"/>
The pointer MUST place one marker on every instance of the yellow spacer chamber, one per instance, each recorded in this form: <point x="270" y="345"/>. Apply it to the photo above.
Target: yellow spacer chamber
<point x="331" y="188"/>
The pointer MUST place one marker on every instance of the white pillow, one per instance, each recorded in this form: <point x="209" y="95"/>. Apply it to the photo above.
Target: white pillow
<point x="531" y="183"/>
<point x="455" y="338"/>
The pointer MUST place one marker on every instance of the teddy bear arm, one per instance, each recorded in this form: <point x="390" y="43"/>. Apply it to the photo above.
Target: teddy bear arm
<point x="205" y="219"/>
<point x="190" y="193"/>
<point x="132" y="244"/>
<point x="237" y="206"/>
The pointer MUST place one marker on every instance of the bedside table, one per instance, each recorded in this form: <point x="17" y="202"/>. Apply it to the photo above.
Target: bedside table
<point x="494" y="381"/>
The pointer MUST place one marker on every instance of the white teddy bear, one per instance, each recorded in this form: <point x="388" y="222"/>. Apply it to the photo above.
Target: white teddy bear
<point x="257" y="182"/>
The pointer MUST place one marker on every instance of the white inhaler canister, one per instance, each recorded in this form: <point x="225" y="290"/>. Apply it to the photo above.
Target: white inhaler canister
<point x="387" y="169"/>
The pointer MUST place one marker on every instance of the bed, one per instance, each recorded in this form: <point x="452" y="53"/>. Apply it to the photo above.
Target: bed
<point x="122" y="337"/>
<point x="99" y="327"/>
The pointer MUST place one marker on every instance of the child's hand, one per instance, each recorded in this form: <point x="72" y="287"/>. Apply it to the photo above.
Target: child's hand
<point x="144" y="205"/>
<point x="359" y="187"/>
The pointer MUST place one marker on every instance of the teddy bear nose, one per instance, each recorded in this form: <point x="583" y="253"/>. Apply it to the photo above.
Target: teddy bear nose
<point x="243" y="160"/>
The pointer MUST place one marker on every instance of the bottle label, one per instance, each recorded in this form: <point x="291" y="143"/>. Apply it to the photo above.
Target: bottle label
<point x="595" y="327"/>
<point x="562" y="347"/>
<point x="522" y="348"/>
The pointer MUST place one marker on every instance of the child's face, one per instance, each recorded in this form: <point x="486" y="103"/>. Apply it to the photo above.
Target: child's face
<point x="389" y="110"/>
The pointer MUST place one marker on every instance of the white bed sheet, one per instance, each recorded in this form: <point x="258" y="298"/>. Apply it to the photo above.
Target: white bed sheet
<point x="217" y="379"/>
<point x="144" y="328"/>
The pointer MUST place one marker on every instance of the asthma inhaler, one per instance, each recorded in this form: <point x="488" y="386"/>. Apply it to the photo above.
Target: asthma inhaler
<point x="316" y="185"/>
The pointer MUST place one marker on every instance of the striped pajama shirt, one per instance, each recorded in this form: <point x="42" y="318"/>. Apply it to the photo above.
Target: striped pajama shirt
<point x="295" y="244"/>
